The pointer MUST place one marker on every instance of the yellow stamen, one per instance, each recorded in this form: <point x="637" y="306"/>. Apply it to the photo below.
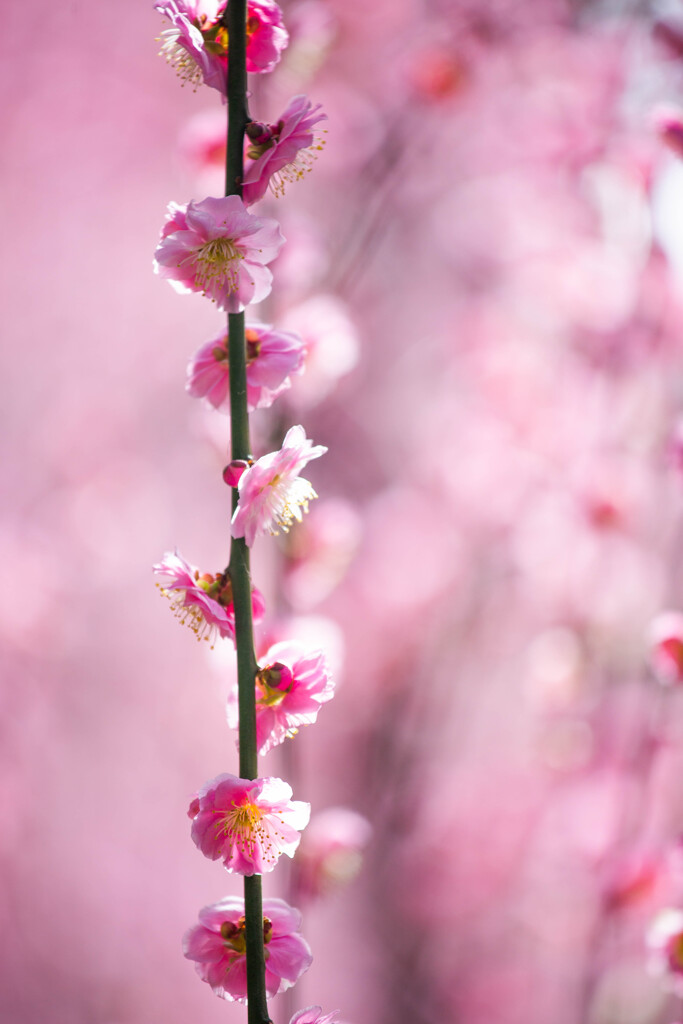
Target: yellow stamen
<point x="293" y="501"/>
<point x="301" y="164"/>
<point x="269" y="697"/>
<point x="184" y="65"/>
<point x="234" y="935"/>
<point x="249" y="829"/>
<point x="190" y="615"/>
<point x="217" y="262"/>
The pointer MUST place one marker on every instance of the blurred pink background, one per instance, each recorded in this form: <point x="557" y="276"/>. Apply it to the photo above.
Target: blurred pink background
<point x="487" y="258"/>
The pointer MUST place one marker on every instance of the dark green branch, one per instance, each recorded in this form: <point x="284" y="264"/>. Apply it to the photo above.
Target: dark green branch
<point x="235" y="20"/>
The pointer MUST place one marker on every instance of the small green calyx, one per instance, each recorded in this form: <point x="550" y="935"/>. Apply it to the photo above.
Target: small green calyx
<point x="234" y="935"/>
<point x="219" y="588"/>
<point x="215" y="36"/>
<point x="262" y="137"/>
<point x="253" y="340"/>
<point x="275" y="682"/>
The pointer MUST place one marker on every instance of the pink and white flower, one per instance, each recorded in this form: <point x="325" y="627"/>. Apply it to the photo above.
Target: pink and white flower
<point x="271" y="492"/>
<point x="218" y="248"/>
<point x="290" y="689"/>
<point x="272" y="356"/>
<point x="665" y="942"/>
<point x="196" y="45"/>
<point x="314" y="1015"/>
<point x="202" y="602"/>
<point x="247" y="823"/>
<point x="217" y="946"/>
<point x="279" y="153"/>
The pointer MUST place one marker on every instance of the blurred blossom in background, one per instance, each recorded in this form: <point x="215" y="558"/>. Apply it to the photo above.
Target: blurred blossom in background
<point x="486" y="267"/>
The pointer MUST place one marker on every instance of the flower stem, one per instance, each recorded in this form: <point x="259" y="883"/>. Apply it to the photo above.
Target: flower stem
<point x="235" y="20"/>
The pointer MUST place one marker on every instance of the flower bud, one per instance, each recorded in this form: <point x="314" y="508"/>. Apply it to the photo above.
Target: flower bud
<point x="258" y="132"/>
<point x="277" y="676"/>
<point x="233" y="472"/>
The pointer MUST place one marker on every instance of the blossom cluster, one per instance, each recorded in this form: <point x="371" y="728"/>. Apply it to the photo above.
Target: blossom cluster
<point x="273" y="356"/>
<point x="290" y="687"/>
<point x="203" y="602"/>
<point x="247" y="824"/>
<point x="196" y="44"/>
<point x="218" y="248"/>
<point x="218" y="948"/>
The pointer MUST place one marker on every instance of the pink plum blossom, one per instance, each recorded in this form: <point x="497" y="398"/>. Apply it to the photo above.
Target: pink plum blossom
<point x="314" y="1015"/>
<point x="267" y="36"/>
<point x="218" y="947"/>
<point x="197" y="43"/>
<point x="248" y="823"/>
<point x="271" y="492"/>
<point x="313" y="632"/>
<point x="218" y="248"/>
<point x="665" y="942"/>
<point x="321" y="551"/>
<point x="202" y="602"/>
<point x="272" y="355"/>
<point x="330" y="341"/>
<point x="290" y="688"/>
<point x="666" y="647"/>
<point x="331" y="852"/>
<point x="282" y="152"/>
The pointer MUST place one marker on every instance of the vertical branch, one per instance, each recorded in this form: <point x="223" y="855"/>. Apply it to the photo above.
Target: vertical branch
<point x="235" y="21"/>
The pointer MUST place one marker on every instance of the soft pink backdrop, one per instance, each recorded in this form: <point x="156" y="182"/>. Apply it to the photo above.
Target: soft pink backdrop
<point x="504" y="441"/>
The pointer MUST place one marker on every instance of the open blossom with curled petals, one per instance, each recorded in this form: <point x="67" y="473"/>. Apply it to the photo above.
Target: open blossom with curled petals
<point x="290" y="688"/>
<point x="218" y="248"/>
<point x="247" y="823"/>
<point x="196" y="45"/>
<point x="314" y="1015"/>
<point x="271" y="492"/>
<point x="282" y="152"/>
<point x="203" y="602"/>
<point x="272" y="356"/>
<point x="217" y="946"/>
